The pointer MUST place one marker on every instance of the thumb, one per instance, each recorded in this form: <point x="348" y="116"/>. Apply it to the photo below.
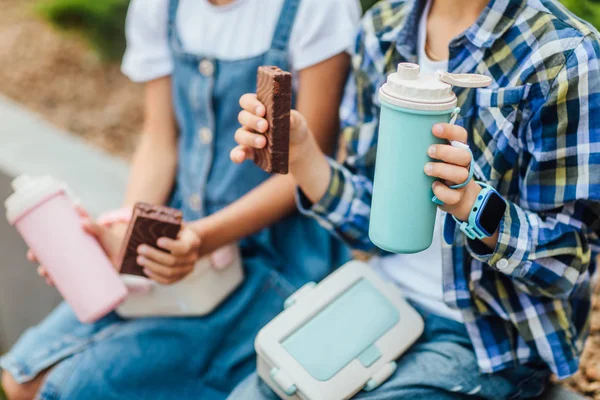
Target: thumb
<point x="92" y="228"/>
<point x="297" y="120"/>
<point x="298" y="127"/>
<point x="100" y="232"/>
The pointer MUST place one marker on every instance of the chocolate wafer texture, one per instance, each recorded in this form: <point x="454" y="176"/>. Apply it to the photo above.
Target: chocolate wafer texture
<point x="274" y="90"/>
<point x="148" y="224"/>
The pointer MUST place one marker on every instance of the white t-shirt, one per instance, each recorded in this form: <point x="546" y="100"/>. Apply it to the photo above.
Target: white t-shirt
<point x="420" y="275"/>
<point x="239" y="30"/>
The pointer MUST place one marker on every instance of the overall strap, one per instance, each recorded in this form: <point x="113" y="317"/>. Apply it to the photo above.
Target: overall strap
<point x="285" y="24"/>
<point x="172" y="32"/>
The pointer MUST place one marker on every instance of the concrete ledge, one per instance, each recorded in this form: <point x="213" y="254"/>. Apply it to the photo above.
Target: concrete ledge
<point x="31" y="145"/>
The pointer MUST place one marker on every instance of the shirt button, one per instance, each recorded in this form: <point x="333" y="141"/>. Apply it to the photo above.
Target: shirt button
<point x="206" y="135"/>
<point x="195" y="202"/>
<point x="502" y="263"/>
<point x="206" y="68"/>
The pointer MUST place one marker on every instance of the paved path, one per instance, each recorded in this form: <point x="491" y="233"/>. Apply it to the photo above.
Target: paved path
<point x="30" y="145"/>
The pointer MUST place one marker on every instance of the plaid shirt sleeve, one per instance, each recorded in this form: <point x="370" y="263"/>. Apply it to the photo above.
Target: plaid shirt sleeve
<point x="345" y="208"/>
<point x="546" y="240"/>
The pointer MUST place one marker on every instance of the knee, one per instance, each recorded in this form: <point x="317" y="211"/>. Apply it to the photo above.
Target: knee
<point x="17" y="391"/>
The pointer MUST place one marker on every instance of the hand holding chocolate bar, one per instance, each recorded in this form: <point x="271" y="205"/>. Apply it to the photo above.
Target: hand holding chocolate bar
<point x="271" y="135"/>
<point x="156" y="246"/>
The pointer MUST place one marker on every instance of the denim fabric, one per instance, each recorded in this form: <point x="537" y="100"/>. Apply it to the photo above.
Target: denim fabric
<point x="441" y="365"/>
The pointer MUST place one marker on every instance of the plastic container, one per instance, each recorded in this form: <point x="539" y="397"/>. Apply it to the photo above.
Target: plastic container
<point x="198" y="294"/>
<point x="402" y="213"/>
<point x="337" y="338"/>
<point x="45" y="216"/>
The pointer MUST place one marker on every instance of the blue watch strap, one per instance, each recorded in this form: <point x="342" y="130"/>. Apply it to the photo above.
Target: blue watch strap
<point x="471" y="228"/>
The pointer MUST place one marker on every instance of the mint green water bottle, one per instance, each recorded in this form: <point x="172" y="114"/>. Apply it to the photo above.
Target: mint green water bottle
<point x="402" y="211"/>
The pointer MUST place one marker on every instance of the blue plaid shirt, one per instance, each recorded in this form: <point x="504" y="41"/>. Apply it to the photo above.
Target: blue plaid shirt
<point x="535" y="136"/>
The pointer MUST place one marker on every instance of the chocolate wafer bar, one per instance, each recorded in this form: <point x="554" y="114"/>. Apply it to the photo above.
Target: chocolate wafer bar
<point x="274" y="90"/>
<point x="148" y="224"/>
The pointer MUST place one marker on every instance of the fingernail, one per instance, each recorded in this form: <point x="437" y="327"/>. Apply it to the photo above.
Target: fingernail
<point x="438" y="129"/>
<point x="147" y="271"/>
<point x="261" y="124"/>
<point x="141" y="260"/>
<point x="259" y="110"/>
<point x="161" y="242"/>
<point x="428" y="167"/>
<point x="142" y="249"/>
<point x="258" y="141"/>
<point x="431" y="150"/>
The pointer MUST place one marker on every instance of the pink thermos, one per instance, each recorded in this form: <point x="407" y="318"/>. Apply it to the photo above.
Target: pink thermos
<point x="44" y="214"/>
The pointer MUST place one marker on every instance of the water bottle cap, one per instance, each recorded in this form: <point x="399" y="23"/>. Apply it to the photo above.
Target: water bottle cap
<point x="408" y="88"/>
<point x="28" y="193"/>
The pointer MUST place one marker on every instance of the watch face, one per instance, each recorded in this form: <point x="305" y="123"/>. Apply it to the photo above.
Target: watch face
<point x="491" y="213"/>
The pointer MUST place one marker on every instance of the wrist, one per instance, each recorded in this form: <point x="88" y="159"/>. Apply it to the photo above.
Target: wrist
<point x="302" y="156"/>
<point x="463" y="209"/>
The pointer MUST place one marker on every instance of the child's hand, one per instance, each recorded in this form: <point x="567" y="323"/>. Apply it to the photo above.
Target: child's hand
<point x="252" y="120"/>
<point x="174" y="264"/>
<point x="453" y="170"/>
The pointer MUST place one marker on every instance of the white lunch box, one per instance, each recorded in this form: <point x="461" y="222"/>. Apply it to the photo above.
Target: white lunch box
<point x="337" y="338"/>
<point x="197" y="294"/>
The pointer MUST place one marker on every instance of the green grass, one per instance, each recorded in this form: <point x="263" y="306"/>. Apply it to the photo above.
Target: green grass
<point x="101" y="23"/>
<point x="2" y="395"/>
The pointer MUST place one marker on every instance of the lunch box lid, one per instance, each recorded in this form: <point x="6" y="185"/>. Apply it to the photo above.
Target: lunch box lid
<point x="340" y="336"/>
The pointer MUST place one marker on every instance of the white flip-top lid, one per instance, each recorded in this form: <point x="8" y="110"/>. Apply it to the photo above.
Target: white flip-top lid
<point x="408" y="88"/>
<point x="29" y="192"/>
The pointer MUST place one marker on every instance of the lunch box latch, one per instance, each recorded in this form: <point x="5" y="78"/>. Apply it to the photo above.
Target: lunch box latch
<point x="283" y="381"/>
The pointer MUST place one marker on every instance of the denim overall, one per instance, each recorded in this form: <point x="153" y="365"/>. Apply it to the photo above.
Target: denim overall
<point x="190" y="358"/>
<point x="206" y="92"/>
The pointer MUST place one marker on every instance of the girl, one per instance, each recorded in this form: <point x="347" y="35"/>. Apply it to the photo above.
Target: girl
<point x="198" y="57"/>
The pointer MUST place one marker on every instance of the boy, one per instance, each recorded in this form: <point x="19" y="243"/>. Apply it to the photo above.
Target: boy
<point x="503" y="312"/>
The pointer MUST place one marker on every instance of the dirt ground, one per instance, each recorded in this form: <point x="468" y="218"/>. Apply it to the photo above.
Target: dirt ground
<point x="54" y="75"/>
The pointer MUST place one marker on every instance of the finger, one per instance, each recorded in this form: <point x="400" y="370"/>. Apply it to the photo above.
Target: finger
<point x="296" y="120"/>
<point x="250" y="103"/>
<point x="185" y="243"/>
<point x="251" y="121"/>
<point x="240" y="154"/>
<point x="82" y="212"/>
<point x="31" y="257"/>
<point x="450" y="132"/>
<point x="91" y="227"/>
<point x="42" y="271"/>
<point x="450" y="197"/>
<point x="250" y="139"/>
<point x="44" y="274"/>
<point x="450" y="154"/>
<point x="157" y="256"/>
<point x="168" y="274"/>
<point x="447" y="172"/>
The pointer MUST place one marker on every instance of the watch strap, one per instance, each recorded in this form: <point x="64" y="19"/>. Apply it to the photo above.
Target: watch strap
<point x="470" y="228"/>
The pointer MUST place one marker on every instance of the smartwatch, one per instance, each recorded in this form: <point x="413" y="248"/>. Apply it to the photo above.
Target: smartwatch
<point x="485" y="215"/>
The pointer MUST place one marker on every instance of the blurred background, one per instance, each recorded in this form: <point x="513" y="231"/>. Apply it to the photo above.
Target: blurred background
<point x="65" y="109"/>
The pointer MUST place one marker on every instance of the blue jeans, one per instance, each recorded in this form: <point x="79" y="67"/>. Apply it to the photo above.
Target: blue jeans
<point x="441" y="365"/>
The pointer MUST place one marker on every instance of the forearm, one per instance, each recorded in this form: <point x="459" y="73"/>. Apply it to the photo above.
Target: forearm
<point x="270" y="202"/>
<point x="152" y="172"/>
<point x="155" y="160"/>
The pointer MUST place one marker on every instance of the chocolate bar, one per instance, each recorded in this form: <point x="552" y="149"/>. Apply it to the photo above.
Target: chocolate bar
<point x="148" y="224"/>
<point x="274" y="90"/>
